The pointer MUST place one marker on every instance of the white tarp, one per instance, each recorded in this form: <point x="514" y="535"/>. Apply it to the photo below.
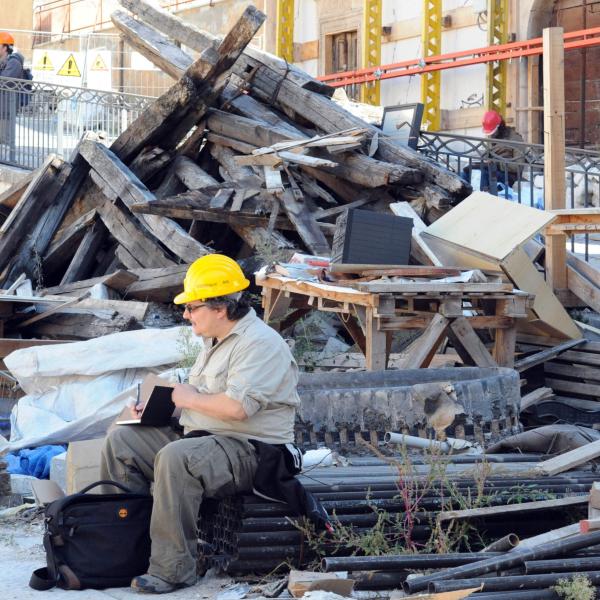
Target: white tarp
<point x="75" y="390"/>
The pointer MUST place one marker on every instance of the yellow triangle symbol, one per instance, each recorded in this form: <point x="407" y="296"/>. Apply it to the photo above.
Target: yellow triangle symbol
<point x="70" y="68"/>
<point x="44" y="64"/>
<point x="99" y="64"/>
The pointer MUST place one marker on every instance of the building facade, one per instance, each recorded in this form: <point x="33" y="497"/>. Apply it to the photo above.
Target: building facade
<point x="328" y="37"/>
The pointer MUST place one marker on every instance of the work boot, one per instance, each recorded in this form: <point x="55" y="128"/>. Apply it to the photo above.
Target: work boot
<point x="150" y="584"/>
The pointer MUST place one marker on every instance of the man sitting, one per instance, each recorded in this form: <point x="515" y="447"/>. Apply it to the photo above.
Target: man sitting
<point x="241" y="388"/>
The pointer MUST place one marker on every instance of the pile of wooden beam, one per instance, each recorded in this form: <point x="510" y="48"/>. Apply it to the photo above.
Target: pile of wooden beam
<point x="244" y="155"/>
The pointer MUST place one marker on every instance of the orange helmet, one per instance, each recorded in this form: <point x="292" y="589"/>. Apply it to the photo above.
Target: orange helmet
<point x="491" y="121"/>
<point x="6" y="38"/>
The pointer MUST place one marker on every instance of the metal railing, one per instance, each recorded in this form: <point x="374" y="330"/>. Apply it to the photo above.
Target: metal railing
<point x="515" y="171"/>
<point x="37" y="119"/>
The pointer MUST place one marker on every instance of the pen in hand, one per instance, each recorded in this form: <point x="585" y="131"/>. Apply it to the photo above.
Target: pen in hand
<point x="137" y="408"/>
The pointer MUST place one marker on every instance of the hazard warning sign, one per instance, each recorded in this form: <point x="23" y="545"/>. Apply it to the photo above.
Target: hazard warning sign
<point x="70" y="68"/>
<point x="98" y="64"/>
<point x="44" y="63"/>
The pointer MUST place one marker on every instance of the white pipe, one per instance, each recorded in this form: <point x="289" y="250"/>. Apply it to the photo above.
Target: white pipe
<point x="413" y="441"/>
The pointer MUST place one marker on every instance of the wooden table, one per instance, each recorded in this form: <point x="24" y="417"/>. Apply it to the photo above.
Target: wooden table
<point x="372" y="313"/>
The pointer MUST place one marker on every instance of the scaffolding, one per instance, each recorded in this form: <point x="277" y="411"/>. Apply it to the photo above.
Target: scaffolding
<point x="496" y="79"/>
<point x="371" y="47"/>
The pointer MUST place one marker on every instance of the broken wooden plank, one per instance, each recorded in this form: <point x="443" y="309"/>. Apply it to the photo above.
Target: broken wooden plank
<point x="119" y="281"/>
<point x="306" y="226"/>
<point x="29" y="208"/>
<point x="171" y="116"/>
<point x="545" y="355"/>
<point x="468" y="345"/>
<point x="421" y="351"/>
<point x="82" y="326"/>
<point x="583" y="288"/>
<point x="354" y="167"/>
<point x="149" y="162"/>
<point x="433" y="286"/>
<point x="170" y="23"/>
<point x="569" y="460"/>
<point x="521" y="507"/>
<point x="419" y="248"/>
<point x="165" y="55"/>
<point x="56" y="199"/>
<point x="128" y="233"/>
<point x="130" y="189"/>
<point x="55" y="309"/>
<point x="196" y="205"/>
<point x="85" y="256"/>
<point x="159" y="285"/>
<point x="395" y="270"/>
<point x="65" y="241"/>
<point x="291" y="89"/>
<point x="10" y="197"/>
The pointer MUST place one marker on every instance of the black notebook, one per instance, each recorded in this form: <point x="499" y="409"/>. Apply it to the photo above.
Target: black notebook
<point x="154" y="394"/>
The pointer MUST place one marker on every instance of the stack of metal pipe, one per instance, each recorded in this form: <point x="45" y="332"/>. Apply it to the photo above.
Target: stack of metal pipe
<point x="247" y="534"/>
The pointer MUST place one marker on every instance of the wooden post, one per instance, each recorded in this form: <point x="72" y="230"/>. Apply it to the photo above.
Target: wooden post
<point x="376" y="350"/>
<point x="533" y="85"/>
<point x="554" y="150"/>
<point x="505" y="340"/>
<point x="420" y="353"/>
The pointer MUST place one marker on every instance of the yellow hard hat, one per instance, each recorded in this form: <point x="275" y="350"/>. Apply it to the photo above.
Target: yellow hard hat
<point x="211" y="276"/>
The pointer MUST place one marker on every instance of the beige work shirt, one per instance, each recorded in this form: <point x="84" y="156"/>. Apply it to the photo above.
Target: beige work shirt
<point x="254" y="366"/>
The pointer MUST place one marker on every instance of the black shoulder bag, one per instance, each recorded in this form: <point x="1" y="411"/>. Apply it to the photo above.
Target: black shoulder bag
<point x="95" y="540"/>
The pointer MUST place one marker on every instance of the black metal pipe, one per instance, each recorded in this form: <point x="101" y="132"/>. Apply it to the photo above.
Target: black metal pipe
<point x="393" y="562"/>
<point x="518" y="595"/>
<point x="560" y="565"/>
<point x="508" y="542"/>
<point x="371" y="580"/>
<point x="279" y="552"/>
<point x="509" y="560"/>
<point x="436" y="493"/>
<point x="255" y="525"/>
<point x="296" y="537"/>
<point x="389" y="505"/>
<point x="505" y="584"/>
<point x="369" y="487"/>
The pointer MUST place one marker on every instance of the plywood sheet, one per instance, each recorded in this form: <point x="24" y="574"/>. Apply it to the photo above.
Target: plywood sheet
<point x="489" y="225"/>
<point x="546" y="306"/>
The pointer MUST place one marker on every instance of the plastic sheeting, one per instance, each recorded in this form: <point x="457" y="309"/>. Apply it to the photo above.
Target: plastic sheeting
<point x="74" y="391"/>
<point x="549" y="439"/>
<point x="35" y="462"/>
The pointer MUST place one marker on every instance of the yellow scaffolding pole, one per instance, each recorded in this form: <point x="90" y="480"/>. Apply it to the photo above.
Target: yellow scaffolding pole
<point x="284" y="31"/>
<point x="431" y="82"/>
<point x="371" y="49"/>
<point x="496" y="80"/>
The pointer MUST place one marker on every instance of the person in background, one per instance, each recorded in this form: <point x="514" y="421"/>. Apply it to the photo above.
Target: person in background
<point x="494" y="127"/>
<point x="11" y="65"/>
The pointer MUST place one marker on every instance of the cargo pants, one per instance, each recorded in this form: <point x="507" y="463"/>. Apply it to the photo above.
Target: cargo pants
<point x="184" y="471"/>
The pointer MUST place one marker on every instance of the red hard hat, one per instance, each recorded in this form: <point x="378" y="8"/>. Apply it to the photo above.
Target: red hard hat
<point x="491" y="121"/>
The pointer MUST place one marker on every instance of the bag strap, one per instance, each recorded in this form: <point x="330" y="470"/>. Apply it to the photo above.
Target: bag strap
<point x="41" y="580"/>
<point x="106" y="482"/>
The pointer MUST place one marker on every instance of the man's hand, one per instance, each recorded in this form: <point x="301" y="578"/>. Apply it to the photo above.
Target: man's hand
<point x="184" y="395"/>
<point x="136" y="410"/>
